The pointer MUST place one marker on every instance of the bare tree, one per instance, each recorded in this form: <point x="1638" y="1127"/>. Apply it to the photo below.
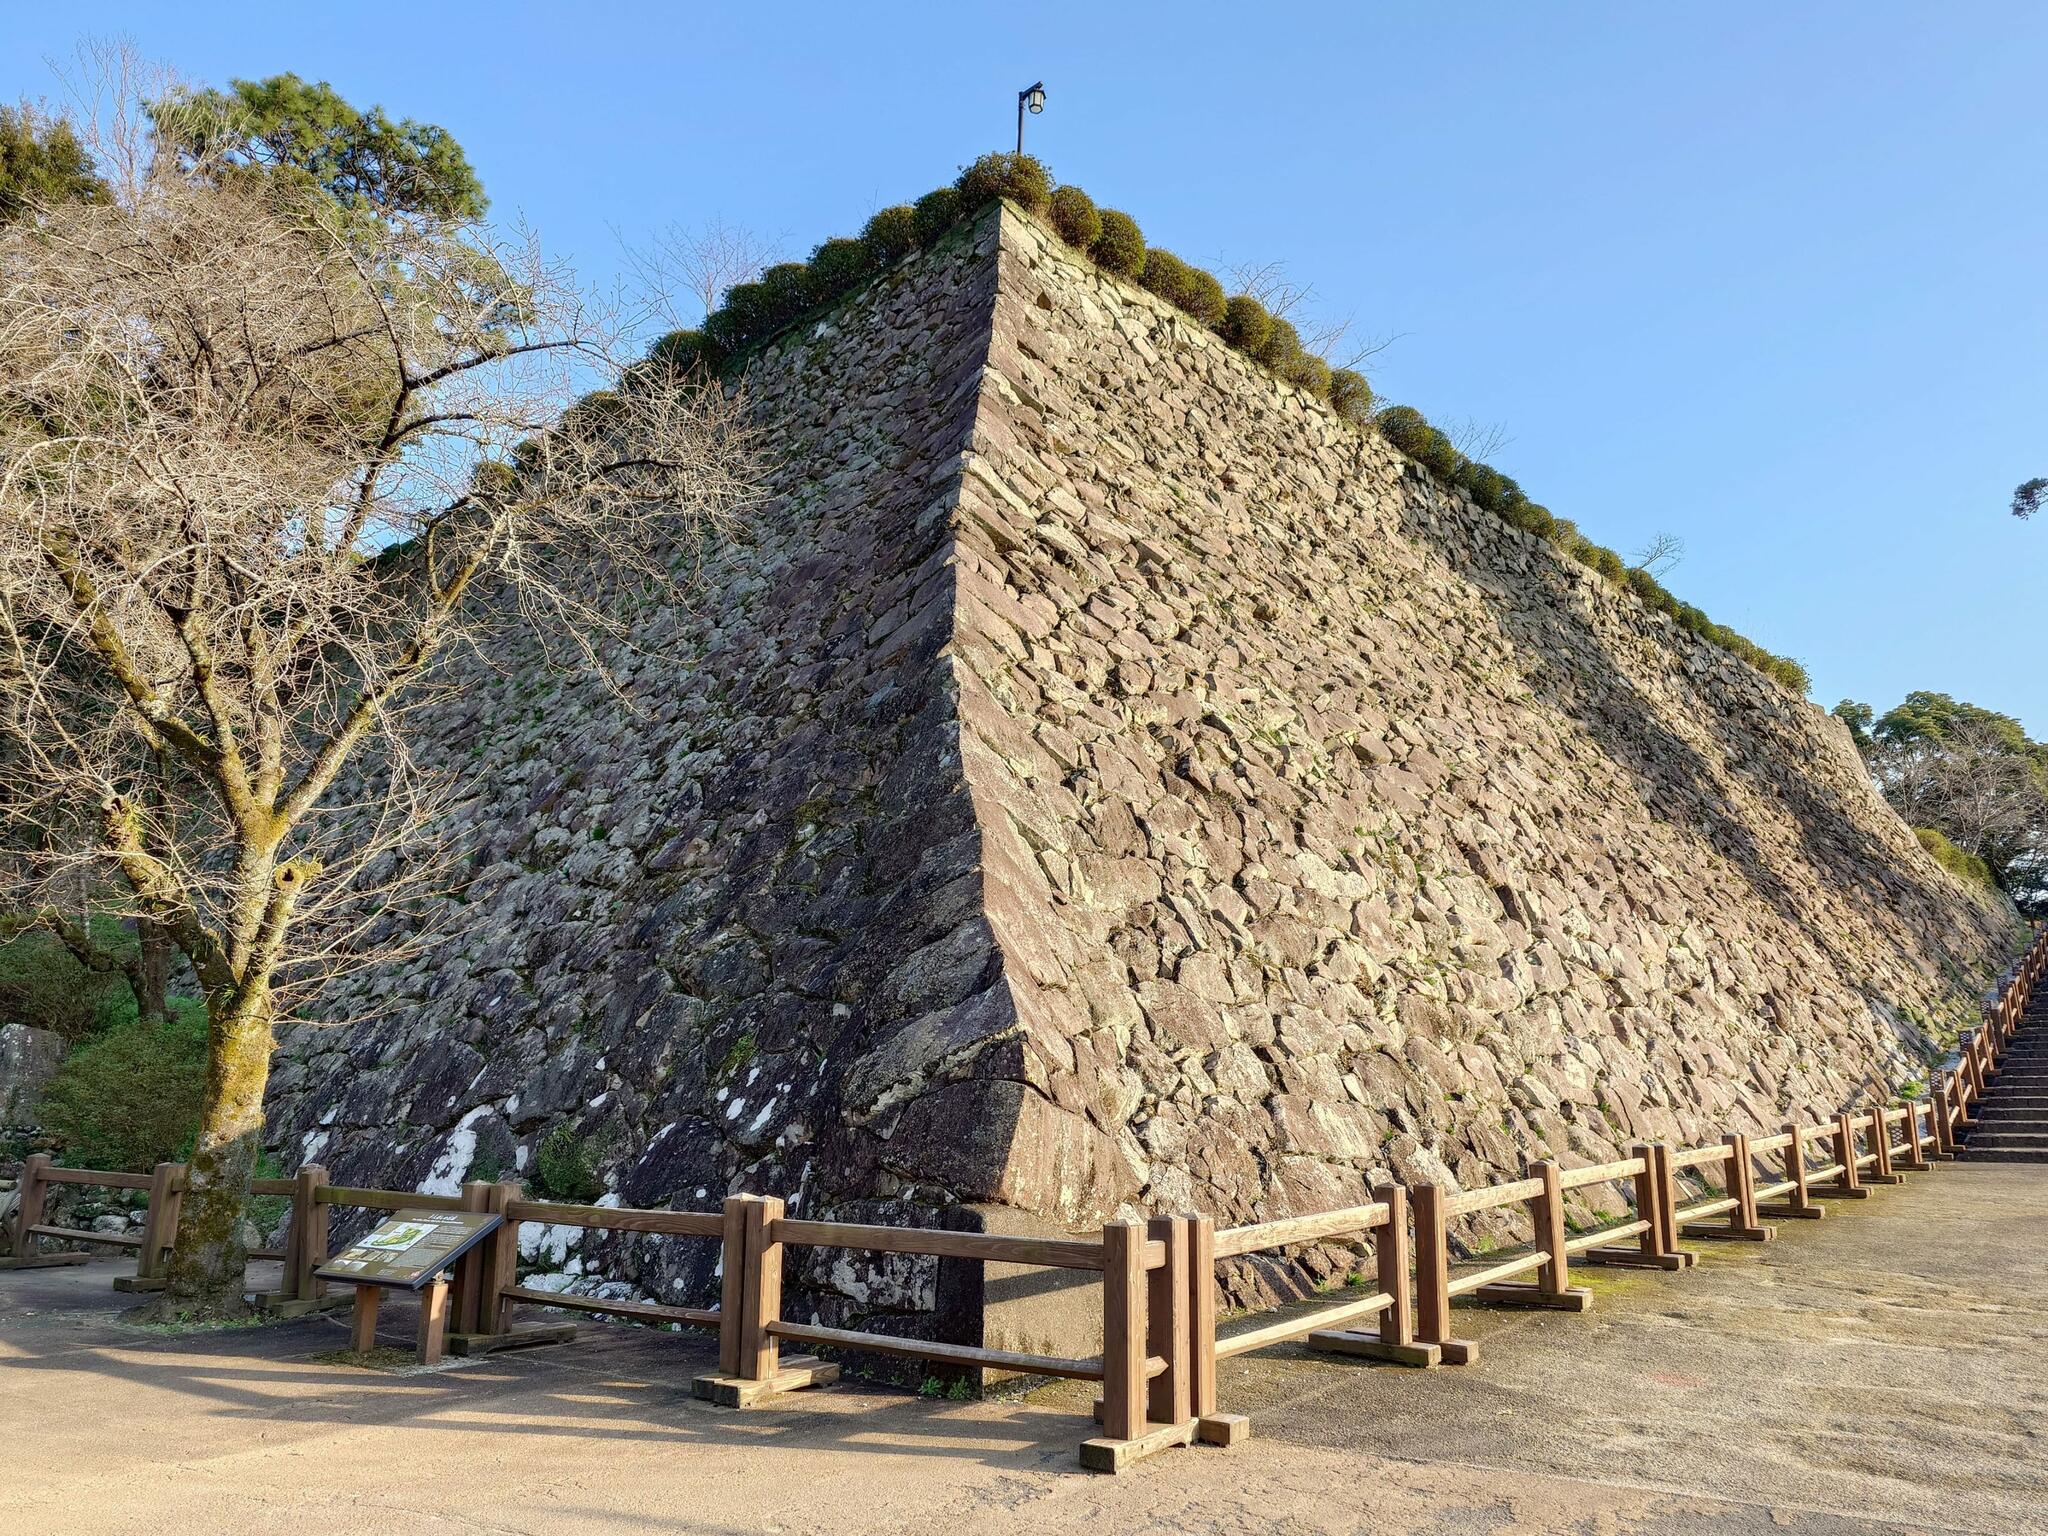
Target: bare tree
<point x="1481" y="441"/>
<point x="1969" y="784"/>
<point x="1331" y="339"/>
<point x="1660" y="555"/>
<point x="699" y="263"/>
<point x="263" y="461"/>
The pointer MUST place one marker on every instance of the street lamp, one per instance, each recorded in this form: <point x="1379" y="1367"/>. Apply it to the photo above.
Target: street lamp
<point x="1031" y="99"/>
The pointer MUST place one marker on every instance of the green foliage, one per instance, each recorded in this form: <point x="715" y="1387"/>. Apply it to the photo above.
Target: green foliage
<point x="285" y="125"/>
<point x="1246" y="325"/>
<point x="936" y="213"/>
<point x="1167" y="275"/>
<point x="1282" y="344"/>
<point x="43" y="985"/>
<point x="837" y="266"/>
<point x="564" y="1168"/>
<point x="1484" y="484"/>
<point x="1351" y="396"/>
<point x="1075" y="216"/>
<point x="2028" y="497"/>
<point x="42" y="163"/>
<point x="128" y="1098"/>
<point x="1963" y="865"/>
<point x="787" y="289"/>
<point x="890" y="235"/>
<point x="1858" y="718"/>
<point x="1120" y="248"/>
<point x="1308" y="371"/>
<point x="1023" y="179"/>
<point x="680" y="351"/>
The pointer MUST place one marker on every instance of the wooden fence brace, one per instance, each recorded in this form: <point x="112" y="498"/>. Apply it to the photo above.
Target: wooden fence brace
<point x="1848" y="1184"/>
<point x="1433" y="1277"/>
<point x="1798" y="1203"/>
<point x="1742" y="1224"/>
<point x="1651" y="1251"/>
<point x="759" y="1371"/>
<point x="34" y="1191"/>
<point x="1394" y="1339"/>
<point x="1552" y="1288"/>
<point x="1211" y="1427"/>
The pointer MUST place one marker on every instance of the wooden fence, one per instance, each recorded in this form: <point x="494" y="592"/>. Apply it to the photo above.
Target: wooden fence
<point x="1158" y="1286"/>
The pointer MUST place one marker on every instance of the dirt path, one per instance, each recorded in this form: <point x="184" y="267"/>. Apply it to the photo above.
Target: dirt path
<point x="1879" y="1370"/>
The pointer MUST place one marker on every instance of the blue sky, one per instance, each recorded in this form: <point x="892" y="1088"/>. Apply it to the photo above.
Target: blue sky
<point x="1766" y="277"/>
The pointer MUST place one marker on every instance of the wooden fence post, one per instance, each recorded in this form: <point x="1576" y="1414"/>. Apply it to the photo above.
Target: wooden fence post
<point x="1650" y="1251"/>
<point x="1394" y="1339"/>
<point x="1123" y="1348"/>
<point x="310" y="1216"/>
<point x="1211" y="1427"/>
<point x="1553" y="1288"/>
<point x="1798" y="1202"/>
<point x="34" y="1192"/>
<point x="1169" y="1398"/>
<point x="1739" y="1184"/>
<point x="1916" y="1144"/>
<point x="750" y="1304"/>
<point x="466" y="1307"/>
<point x="1433" y="1277"/>
<point x="1881" y="1149"/>
<point x="159" y="1231"/>
<point x="1943" y="1110"/>
<point x="1848" y="1184"/>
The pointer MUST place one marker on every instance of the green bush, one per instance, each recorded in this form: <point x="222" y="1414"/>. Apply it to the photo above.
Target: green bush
<point x="1963" y="865"/>
<point x="128" y="1099"/>
<point x="890" y="235"/>
<point x="564" y="1169"/>
<point x="1307" y="370"/>
<point x="1246" y="325"/>
<point x="1483" y="483"/>
<point x="935" y="213"/>
<point x="1439" y="454"/>
<point x="1120" y="248"/>
<point x="681" y="351"/>
<point x="1075" y="216"/>
<point x="1403" y="426"/>
<point x="43" y="985"/>
<point x="837" y="266"/>
<point x="1020" y="178"/>
<point x="1166" y="275"/>
<point x="1351" y="396"/>
<point x="1204" y="299"/>
<point x="788" y="289"/>
<point x="1281" y="346"/>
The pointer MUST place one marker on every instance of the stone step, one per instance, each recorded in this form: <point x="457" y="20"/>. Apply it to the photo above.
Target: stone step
<point x="1972" y="1155"/>
<point x="2008" y="1141"/>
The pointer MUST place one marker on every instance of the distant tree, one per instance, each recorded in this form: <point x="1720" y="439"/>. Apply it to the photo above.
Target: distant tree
<point x="42" y="162"/>
<point x="1858" y="718"/>
<point x="2029" y="496"/>
<point x="288" y="128"/>
<point x="1969" y="773"/>
<point x="1660" y="555"/>
<point x="699" y="263"/>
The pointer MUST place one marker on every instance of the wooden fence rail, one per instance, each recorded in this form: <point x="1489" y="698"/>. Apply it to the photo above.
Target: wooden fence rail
<point x="1156" y="1282"/>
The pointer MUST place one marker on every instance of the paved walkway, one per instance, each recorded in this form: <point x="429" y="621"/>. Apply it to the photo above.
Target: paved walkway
<point x="1877" y="1371"/>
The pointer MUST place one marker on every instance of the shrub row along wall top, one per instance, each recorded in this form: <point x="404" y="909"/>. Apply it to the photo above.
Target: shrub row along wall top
<point x="754" y="313"/>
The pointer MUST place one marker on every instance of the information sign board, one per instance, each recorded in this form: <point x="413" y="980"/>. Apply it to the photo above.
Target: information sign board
<point x="410" y="1248"/>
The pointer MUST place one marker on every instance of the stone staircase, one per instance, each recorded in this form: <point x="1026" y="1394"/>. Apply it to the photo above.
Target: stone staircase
<point x="2012" y="1120"/>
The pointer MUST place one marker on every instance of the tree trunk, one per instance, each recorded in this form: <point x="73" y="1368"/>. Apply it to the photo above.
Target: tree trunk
<point x="153" y="946"/>
<point x="205" y="1280"/>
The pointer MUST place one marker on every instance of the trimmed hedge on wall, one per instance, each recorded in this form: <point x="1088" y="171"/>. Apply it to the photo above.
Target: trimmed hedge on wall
<point x="753" y="313"/>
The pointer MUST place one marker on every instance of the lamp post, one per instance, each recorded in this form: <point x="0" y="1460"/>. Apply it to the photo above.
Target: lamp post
<point x="1031" y="99"/>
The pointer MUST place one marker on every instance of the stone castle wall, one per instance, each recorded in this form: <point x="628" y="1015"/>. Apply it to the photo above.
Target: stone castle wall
<point x="1106" y="782"/>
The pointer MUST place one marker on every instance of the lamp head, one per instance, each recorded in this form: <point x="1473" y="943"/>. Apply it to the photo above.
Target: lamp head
<point x="1033" y="98"/>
